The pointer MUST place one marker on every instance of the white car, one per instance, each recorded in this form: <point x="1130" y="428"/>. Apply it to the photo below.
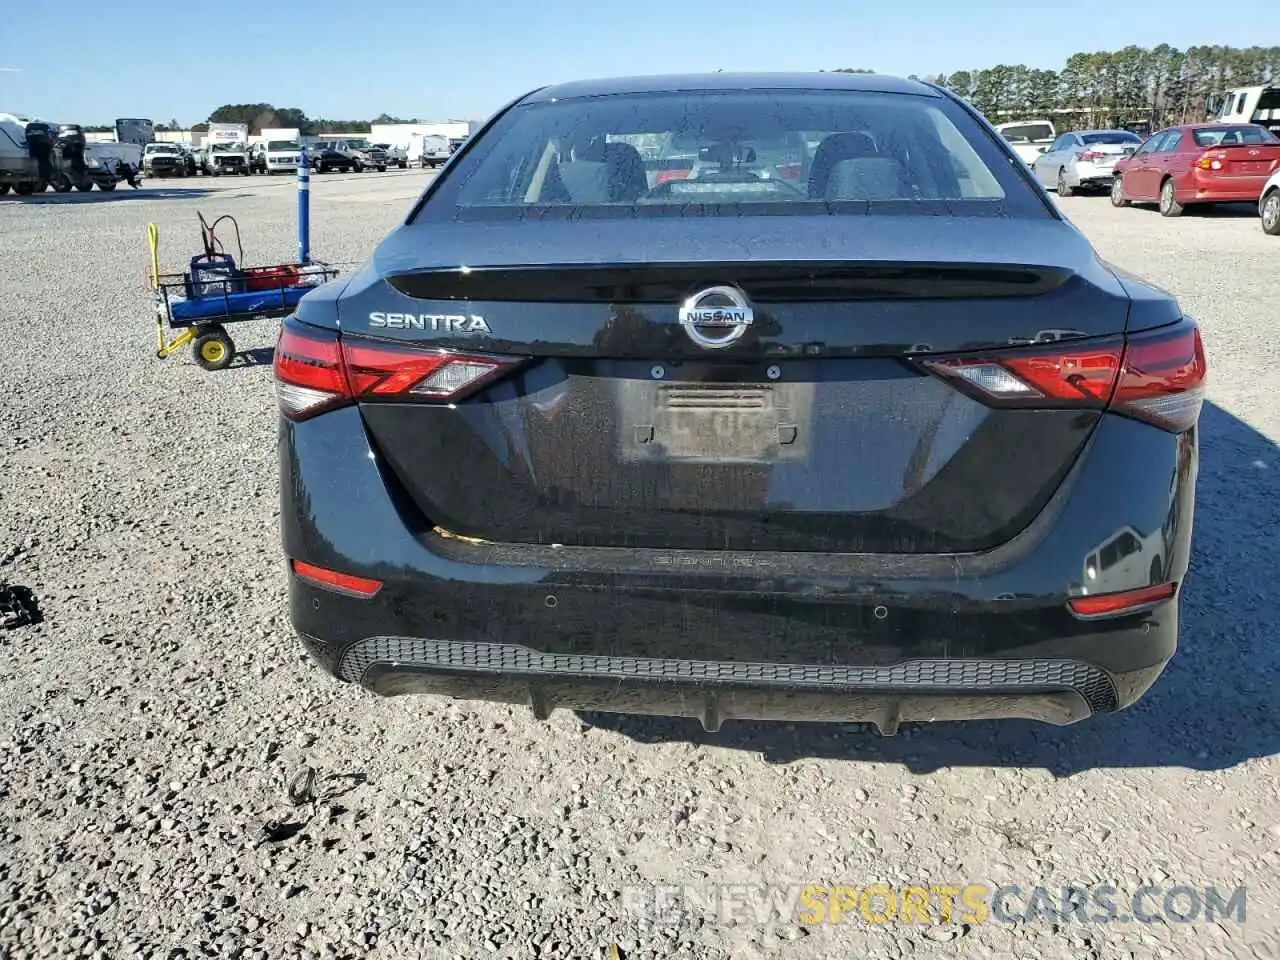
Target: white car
<point x="396" y="156"/>
<point x="1029" y="138"/>
<point x="1269" y="206"/>
<point x="1084" y="160"/>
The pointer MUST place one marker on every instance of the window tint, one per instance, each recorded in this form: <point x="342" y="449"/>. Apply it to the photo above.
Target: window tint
<point x="1170" y="142"/>
<point x="1151" y="143"/>
<point x="1233" y="136"/>
<point x="1111" y="137"/>
<point x="1027" y="131"/>
<point x="733" y="153"/>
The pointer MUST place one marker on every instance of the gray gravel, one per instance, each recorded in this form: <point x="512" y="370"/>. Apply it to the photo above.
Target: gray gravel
<point x="150" y="727"/>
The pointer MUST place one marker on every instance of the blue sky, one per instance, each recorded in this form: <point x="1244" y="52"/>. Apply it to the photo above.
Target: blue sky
<point x="436" y="59"/>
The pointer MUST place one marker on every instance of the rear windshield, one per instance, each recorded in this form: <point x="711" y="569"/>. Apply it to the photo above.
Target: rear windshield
<point x="1022" y="133"/>
<point x="1110" y="137"/>
<point x="1232" y="136"/>
<point x="283" y="145"/>
<point x="735" y="153"/>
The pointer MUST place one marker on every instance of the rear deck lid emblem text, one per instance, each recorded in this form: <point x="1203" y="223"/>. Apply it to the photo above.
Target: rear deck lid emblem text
<point x="716" y="317"/>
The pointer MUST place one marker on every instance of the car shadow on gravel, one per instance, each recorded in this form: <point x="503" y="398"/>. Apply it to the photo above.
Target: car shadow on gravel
<point x="1211" y="710"/>
<point x="1226" y="211"/>
<point x="256" y="357"/>
<point x="115" y="196"/>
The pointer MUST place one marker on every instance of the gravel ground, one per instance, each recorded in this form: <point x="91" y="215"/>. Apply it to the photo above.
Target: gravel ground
<point x="150" y="727"/>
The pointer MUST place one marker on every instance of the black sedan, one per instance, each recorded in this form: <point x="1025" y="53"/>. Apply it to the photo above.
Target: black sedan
<point x="886" y="441"/>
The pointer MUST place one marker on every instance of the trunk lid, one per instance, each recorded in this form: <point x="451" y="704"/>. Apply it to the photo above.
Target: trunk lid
<point x="813" y="431"/>
<point x="1250" y="160"/>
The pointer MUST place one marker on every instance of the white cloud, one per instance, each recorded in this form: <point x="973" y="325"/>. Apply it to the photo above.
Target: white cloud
<point x="10" y="69"/>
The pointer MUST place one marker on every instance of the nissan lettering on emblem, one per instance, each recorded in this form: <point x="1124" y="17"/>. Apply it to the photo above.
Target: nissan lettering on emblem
<point x="716" y="317"/>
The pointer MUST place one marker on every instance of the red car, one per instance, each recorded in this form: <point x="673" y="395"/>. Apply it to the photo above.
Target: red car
<point x="1198" y="163"/>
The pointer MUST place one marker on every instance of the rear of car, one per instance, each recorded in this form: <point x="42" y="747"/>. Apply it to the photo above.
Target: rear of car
<point x="1235" y="163"/>
<point x="1093" y="165"/>
<point x="740" y="444"/>
<point x="1028" y="138"/>
<point x="434" y="152"/>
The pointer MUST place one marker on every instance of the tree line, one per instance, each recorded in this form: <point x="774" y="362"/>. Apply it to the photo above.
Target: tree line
<point x="1160" y="85"/>
<point x="263" y="116"/>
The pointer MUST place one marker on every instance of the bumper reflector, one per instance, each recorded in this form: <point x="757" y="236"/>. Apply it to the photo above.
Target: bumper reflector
<point x="337" y="582"/>
<point x="1127" y="601"/>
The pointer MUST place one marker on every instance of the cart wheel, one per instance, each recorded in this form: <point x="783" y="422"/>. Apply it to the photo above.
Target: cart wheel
<point x="213" y="349"/>
<point x="107" y="186"/>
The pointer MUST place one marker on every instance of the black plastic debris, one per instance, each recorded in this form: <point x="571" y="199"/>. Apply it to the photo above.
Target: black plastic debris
<point x="17" y="607"/>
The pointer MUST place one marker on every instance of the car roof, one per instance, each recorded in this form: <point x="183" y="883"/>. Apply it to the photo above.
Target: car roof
<point x="683" y="83"/>
<point x="1214" y="125"/>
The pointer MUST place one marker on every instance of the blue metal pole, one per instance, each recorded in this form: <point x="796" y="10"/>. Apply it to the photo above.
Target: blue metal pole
<point x="304" y="208"/>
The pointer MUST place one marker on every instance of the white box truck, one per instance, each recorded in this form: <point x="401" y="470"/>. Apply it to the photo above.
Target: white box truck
<point x="226" y="149"/>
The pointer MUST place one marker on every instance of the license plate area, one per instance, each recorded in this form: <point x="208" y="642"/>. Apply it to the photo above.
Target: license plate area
<point x="701" y="422"/>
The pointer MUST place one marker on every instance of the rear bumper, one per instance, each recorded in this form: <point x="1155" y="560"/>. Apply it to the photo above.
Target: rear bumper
<point x="1238" y="190"/>
<point x="1058" y="691"/>
<point x="770" y="636"/>
<point x="1089" y="175"/>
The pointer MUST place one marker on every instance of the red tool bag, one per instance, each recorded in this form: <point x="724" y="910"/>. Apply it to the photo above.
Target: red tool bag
<point x="271" y="278"/>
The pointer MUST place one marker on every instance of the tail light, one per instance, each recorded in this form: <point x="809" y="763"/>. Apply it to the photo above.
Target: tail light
<point x="662" y="176"/>
<point x="316" y="371"/>
<point x="345" y="583"/>
<point x="1209" y="163"/>
<point x="1119" y="604"/>
<point x="789" y="171"/>
<point x="1089" y="156"/>
<point x="1156" y="377"/>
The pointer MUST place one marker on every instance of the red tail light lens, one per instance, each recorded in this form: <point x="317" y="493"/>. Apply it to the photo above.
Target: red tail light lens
<point x="789" y="171"/>
<point x="315" y="371"/>
<point x="1118" y="604"/>
<point x="1156" y="377"/>
<point x="1079" y="377"/>
<point x="1209" y="163"/>
<point x="1164" y="377"/>
<point x="662" y="176"/>
<point x="1091" y="155"/>
<point x="346" y="583"/>
<point x="309" y="375"/>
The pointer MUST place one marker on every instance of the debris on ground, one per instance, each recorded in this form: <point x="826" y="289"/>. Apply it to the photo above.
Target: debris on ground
<point x="17" y="607"/>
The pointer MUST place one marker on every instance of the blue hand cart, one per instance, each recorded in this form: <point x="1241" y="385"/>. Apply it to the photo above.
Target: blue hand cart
<point x="216" y="290"/>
